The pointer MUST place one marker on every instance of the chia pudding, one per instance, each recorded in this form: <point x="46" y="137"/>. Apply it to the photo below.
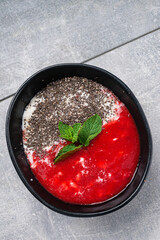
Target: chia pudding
<point x="95" y="173"/>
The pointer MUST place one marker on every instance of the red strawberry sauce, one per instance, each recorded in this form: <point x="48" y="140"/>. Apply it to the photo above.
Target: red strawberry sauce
<point x="95" y="173"/>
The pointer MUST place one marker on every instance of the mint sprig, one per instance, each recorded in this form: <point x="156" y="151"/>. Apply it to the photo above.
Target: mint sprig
<point x="79" y="134"/>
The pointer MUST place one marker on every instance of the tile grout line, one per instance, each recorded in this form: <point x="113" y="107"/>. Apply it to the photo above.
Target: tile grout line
<point x="5" y="98"/>
<point x="98" y="55"/>
<point x="121" y="45"/>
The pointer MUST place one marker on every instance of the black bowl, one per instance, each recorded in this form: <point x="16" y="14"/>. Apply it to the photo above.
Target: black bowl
<point x="14" y="136"/>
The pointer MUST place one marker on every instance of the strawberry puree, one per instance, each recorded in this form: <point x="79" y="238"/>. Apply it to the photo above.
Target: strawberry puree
<point x="96" y="173"/>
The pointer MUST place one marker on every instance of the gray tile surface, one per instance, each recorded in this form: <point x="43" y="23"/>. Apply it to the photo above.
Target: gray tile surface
<point x="22" y="217"/>
<point x="34" y="34"/>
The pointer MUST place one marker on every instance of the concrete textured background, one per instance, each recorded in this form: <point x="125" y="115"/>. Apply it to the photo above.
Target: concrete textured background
<point x="122" y="37"/>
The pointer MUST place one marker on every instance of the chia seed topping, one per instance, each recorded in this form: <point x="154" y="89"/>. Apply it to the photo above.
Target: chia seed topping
<point x="70" y="100"/>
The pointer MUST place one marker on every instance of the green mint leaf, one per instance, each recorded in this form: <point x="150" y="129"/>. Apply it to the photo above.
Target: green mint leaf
<point x="90" y="129"/>
<point x="66" y="152"/>
<point x="66" y="131"/>
<point x="76" y="127"/>
<point x="77" y="133"/>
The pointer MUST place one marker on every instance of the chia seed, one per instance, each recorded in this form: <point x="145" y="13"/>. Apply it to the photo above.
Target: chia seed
<point x="70" y="100"/>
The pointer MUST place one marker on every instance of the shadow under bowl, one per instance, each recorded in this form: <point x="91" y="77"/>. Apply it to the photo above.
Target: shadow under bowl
<point x="15" y="143"/>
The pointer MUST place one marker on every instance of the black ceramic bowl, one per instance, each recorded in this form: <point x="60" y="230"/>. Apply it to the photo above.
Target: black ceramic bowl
<point x="14" y="136"/>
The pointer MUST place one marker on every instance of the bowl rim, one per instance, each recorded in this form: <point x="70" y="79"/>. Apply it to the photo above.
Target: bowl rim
<point x="14" y="161"/>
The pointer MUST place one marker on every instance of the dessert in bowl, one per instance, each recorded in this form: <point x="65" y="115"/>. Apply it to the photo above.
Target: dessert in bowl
<point x="101" y="176"/>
